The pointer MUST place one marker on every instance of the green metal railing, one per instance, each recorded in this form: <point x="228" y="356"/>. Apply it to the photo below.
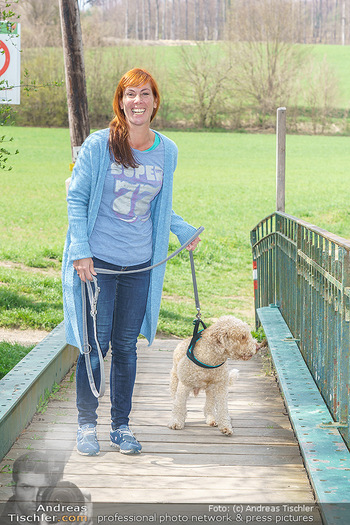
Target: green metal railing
<point x="305" y="271"/>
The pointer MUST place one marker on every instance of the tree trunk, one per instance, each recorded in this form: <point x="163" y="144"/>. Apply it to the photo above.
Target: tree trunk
<point x="178" y="34"/>
<point x="343" y="24"/>
<point x="126" y="28"/>
<point x="149" y="20"/>
<point x="205" y="21"/>
<point x="143" y="20"/>
<point x="164" y="21"/>
<point x="156" y="31"/>
<point x="305" y="19"/>
<point x="335" y="22"/>
<point x="217" y="20"/>
<point x="196" y="19"/>
<point x="78" y="115"/>
<point x="173" y="16"/>
<point x="137" y="8"/>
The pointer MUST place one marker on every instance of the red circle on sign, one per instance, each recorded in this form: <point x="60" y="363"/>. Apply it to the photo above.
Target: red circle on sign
<point x="4" y="47"/>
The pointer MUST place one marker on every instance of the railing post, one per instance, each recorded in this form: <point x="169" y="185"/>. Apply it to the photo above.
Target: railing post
<point x="343" y="350"/>
<point x="253" y="239"/>
<point x="299" y="300"/>
<point x="280" y="159"/>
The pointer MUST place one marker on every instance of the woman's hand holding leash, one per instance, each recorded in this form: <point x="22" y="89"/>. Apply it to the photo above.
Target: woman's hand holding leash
<point x="85" y="268"/>
<point x="193" y="245"/>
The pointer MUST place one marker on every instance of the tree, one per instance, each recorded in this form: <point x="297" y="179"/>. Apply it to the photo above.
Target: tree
<point x="266" y="60"/>
<point x="164" y="20"/>
<point x="149" y="19"/>
<point x="314" y="21"/>
<point x="143" y="19"/>
<point x="156" y="33"/>
<point x="207" y="71"/>
<point x="173" y="18"/>
<point x="126" y="25"/>
<point x="217" y="20"/>
<point x="42" y="27"/>
<point x="321" y="90"/>
<point x="343" y="22"/>
<point x="196" y="20"/>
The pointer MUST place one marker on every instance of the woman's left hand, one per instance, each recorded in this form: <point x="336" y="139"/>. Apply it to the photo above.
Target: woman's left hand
<point x="193" y="245"/>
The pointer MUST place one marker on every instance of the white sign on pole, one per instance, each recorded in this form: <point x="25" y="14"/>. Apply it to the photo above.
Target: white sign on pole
<point x="10" y="63"/>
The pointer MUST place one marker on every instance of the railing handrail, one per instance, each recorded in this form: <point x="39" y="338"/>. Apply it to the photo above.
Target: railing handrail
<point x="342" y="241"/>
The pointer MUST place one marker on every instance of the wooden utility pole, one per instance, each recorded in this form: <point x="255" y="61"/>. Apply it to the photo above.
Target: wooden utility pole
<point x="280" y="159"/>
<point x="78" y="115"/>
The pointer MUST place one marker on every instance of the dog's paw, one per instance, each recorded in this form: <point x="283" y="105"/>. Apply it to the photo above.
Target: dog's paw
<point x="211" y="421"/>
<point x="227" y="430"/>
<point x="176" y="425"/>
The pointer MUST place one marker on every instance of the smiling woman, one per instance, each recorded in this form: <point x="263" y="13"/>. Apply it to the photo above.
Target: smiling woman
<point x="120" y="216"/>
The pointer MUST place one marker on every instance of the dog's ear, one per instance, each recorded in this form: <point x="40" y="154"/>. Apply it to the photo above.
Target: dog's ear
<point x="216" y="334"/>
<point x="219" y="337"/>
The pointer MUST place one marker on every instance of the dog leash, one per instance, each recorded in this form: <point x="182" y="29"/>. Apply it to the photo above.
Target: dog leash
<point x="197" y="321"/>
<point x="93" y="298"/>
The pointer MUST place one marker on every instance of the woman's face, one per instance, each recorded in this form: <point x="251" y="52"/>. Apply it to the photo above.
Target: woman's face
<point x="138" y="104"/>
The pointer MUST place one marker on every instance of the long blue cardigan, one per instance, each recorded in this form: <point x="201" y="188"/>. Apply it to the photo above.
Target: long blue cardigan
<point x="84" y="197"/>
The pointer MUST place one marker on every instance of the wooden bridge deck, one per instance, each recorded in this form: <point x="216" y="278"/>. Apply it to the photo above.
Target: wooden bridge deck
<point x="260" y="463"/>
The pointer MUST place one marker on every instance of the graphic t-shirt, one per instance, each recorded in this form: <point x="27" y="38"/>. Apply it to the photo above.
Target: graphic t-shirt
<point x="122" y="234"/>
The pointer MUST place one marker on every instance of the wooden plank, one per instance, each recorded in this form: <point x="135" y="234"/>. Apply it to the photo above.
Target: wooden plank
<point x="161" y="396"/>
<point x="228" y="448"/>
<point x="281" y="474"/>
<point x="190" y="482"/>
<point x="177" y="494"/>
<point x="195" y="408"/>
<point x="258" y="438"/>
<point x="160" y="432"/>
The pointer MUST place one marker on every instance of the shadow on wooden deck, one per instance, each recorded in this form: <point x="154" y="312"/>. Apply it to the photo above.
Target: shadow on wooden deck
<point x="260" y="463"/>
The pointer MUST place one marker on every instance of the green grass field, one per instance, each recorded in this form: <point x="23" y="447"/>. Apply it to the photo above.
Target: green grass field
<point x="11" y="354"/>
<point x="224" y="181"/>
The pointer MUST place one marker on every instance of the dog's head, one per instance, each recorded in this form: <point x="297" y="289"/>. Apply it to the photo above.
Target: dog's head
<point x="233" y="336"/>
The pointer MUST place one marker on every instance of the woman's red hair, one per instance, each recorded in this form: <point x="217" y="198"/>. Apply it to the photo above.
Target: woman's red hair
<point x="118" y="127"/>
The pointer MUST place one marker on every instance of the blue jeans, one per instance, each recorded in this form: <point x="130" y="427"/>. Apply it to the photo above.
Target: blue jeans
<point x="121" y="308"/>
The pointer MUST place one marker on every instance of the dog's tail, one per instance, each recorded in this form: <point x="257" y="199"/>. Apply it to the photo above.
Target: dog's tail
<point x="233" y="376"/>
